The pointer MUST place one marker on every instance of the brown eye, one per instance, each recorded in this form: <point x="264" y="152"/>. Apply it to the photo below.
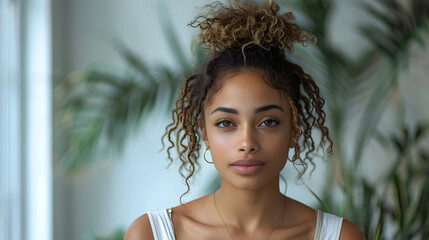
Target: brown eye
<point x="224" y="124"/>
<point x="269" y="123"/>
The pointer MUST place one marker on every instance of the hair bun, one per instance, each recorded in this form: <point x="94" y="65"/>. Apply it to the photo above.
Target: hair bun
<point x="247" y="23"/>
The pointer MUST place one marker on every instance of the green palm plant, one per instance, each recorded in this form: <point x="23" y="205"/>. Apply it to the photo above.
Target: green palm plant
<point x="98" y="109"/>
<point x="407" y="183"/>
<point x="346" y="83"/>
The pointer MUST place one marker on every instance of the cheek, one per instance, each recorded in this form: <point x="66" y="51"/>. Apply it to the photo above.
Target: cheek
<point x="279" y="155"/>
<point x="278" y="145"/>
<point x="220" y="144"/>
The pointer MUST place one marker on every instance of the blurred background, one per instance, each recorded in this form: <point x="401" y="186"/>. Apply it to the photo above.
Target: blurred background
<point x="86" y="92"/>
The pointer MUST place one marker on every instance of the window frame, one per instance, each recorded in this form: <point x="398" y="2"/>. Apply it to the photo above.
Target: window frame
<point x="25" y="121"/>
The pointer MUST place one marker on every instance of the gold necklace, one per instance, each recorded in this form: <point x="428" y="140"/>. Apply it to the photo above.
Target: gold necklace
<point x="224" y="224"/>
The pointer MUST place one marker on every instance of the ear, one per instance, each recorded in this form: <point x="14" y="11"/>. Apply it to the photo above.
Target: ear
<point x="294" y="137"/>
<point x="202" y="126"/>
<point x="292" y="141"/>
<point x="295" y="128"/>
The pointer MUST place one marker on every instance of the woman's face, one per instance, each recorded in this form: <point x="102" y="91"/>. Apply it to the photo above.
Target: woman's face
<point x="248" y="127"/>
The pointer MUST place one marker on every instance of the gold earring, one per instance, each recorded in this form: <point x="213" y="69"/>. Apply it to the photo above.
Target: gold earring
<point x="204" y="156"/>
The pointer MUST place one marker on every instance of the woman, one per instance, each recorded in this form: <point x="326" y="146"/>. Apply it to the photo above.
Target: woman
<point x="249" y="105"/>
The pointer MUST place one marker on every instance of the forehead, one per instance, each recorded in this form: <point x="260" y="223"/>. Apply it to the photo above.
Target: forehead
<point x="247" y="89"/>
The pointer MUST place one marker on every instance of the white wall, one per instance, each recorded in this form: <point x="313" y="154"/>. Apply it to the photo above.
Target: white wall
<point x="111" y="195"/>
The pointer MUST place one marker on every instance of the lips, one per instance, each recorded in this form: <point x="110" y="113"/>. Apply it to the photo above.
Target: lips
<point x="247" y="162"/>
<point x="247" y="166"/>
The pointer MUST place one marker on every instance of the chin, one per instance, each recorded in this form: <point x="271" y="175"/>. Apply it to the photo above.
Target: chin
<point x="250" y="183"/>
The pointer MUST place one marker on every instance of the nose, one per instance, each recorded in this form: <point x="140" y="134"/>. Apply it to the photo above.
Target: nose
<point x="248" y="141"/>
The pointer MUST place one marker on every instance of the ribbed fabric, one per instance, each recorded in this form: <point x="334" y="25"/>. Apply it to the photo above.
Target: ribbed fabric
<point x="162" y="226"/>
<point x="331" y="227"/>
<point x="328" y="226"/>
<point x="318" y="225"/>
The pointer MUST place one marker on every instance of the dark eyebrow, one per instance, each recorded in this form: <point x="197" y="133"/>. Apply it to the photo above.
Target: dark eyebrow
<point x="268" y="107"/>
<point x="225" y="109"/>
<point x="258" y="110"/>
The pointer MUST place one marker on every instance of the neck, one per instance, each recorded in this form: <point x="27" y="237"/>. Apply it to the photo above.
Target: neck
<point x="250" y="209"/>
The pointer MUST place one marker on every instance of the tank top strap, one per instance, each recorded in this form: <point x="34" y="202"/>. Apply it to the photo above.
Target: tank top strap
<point x="318" y="225"/>
<point x="328" y="226"/>
<point x="162" y="226"/>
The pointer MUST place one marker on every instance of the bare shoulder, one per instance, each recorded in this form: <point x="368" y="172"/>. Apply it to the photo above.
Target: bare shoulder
<point x="349" y="231"/>
<point x="300" y="210"/>
<point x="140" y="229"/>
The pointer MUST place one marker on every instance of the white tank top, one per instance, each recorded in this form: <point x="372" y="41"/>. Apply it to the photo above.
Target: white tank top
<point x="328" y="226"/>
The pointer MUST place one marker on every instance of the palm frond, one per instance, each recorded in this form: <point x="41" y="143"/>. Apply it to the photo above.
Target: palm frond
<point x="351" y="83"/>
<point x="399" y="28"/>
<point x="97" y="110"/>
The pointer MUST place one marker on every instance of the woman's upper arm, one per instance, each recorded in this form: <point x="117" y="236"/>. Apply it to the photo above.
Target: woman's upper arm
<point x="349" y="231"/>
<point x="140" y="229"/>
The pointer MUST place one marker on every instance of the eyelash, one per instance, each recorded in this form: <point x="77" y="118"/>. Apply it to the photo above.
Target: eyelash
<point x="270" y="119"/>
<point x="224" y="120"/>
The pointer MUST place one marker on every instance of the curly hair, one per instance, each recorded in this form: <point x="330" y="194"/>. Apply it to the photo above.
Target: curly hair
<point x="247" y="36"/>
